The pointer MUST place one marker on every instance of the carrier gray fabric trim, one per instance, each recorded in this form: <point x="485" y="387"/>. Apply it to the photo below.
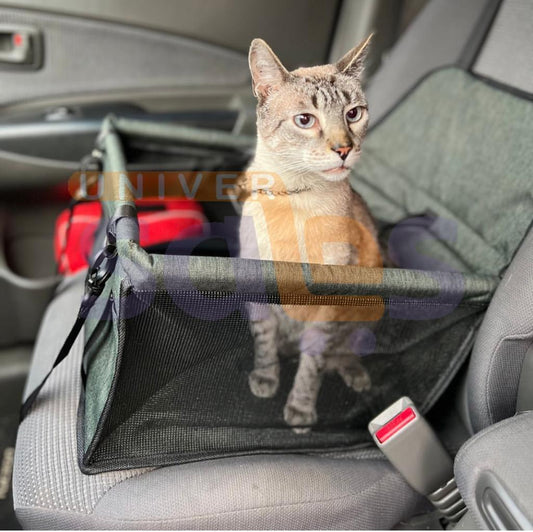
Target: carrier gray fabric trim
<point x="250" y="492"/>
<point x="436" y="38"/>
<point x="505" y="451"/>
<point x="247" y="276"/>
<point x="503" y="339"/>
<point x="507" y="55"/>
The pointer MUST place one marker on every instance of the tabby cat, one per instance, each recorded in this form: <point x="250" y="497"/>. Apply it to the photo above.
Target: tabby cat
<point x="298" y="206"/>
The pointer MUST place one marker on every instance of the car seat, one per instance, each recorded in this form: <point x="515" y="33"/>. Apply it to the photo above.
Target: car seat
<point x="339" y="490"/>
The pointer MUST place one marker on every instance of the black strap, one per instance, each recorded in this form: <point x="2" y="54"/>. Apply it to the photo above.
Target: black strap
<point x="63" y="352"/>
<point x="97" y="276"/>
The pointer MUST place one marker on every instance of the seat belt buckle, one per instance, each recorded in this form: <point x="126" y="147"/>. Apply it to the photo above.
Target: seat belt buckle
<point x="412" y="447"/>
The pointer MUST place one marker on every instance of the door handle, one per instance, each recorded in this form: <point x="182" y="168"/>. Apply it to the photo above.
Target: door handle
<point x="20" y="47"/>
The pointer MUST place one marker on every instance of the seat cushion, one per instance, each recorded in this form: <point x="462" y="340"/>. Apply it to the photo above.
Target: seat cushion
<point x="348" y="490"/>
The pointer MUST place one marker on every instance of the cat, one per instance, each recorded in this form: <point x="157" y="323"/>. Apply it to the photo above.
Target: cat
<point x="296" y="196"/>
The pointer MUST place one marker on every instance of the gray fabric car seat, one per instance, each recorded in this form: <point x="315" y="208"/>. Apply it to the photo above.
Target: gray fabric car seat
<point x="288" y="491"/>
<point x="506" y="333"/>
<point x="330" y="490"/>
<point x="501" y="453"/>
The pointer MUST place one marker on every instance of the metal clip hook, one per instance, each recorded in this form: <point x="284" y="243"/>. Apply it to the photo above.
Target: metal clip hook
<point x="98" y="275"/>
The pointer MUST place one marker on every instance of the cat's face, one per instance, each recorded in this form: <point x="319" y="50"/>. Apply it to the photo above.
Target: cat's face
<point x="314" y="119"/>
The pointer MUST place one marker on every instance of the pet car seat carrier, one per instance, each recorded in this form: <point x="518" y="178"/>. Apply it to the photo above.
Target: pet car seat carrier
<point x="168" y="349"/>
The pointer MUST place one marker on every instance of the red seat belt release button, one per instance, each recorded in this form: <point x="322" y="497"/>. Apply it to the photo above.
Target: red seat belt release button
<point x="395" y="424"/>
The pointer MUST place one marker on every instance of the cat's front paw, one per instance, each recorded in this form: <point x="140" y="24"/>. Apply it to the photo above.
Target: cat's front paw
<point x="300" y="419"/>
<point x="362" y="382"/>
<point x="264" y="383"/>
<point x="358" y="381"/>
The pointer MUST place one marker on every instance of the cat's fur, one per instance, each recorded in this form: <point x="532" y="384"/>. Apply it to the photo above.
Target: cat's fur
<point x="294" y="209"/>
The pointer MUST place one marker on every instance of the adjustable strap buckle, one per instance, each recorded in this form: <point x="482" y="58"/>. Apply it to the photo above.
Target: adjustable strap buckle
<point x="408" y="441"/>
<point x="98" y="275"/>
<point x="105" y="261"/>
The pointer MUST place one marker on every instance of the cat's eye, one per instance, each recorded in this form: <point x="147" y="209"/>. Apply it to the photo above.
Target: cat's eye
<point x="305" y="120"/>
<point x="355" y="114"/>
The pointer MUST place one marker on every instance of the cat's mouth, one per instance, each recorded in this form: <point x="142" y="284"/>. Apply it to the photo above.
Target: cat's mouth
<point x="337" y="170"/>
<point x="336" y="174"/>
<point x="343" y="168"/>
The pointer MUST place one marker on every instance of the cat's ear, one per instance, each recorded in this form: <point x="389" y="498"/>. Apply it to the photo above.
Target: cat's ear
<point x="352" y="63"/>
<point x="268" y="74"/>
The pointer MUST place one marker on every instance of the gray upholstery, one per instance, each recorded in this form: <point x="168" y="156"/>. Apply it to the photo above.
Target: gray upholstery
<point x="284" y="491"/>
<point x="77" y="60"/>
<point x="503" y="339"/>
<point x="507" y="56"/>
<point x="24" y="295"/>
<point x="504" y="450"/>
<point x="438" y="37"/>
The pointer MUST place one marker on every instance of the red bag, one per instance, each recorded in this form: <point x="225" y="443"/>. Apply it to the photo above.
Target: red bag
<point x="160" y="221"/>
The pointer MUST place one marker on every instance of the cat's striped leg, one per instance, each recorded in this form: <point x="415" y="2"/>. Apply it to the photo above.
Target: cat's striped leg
<point x="360" y="342"/>
<point x="300" y="409"/>
<point x="264" y="379"/>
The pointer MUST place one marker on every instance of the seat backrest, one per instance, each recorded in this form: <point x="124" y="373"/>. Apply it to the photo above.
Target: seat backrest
<point x="493" y="40"/>
<point x="445" y="33"/>
<point x="502" y="342"/>
<point x="506" y="334"/>
<point x="506" y="56"/>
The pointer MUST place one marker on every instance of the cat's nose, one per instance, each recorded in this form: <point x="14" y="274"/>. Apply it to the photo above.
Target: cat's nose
<point x="343" y="151"/>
